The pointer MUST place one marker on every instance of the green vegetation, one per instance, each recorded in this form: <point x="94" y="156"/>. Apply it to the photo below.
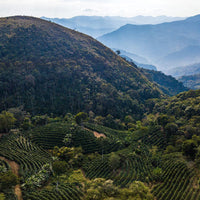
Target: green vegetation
<point x="80" y="123"/>
<point x="51" y="69"/>
<point x="7" y="121"/>
<point x="157" y="157"/>
<point x="29" y="156"/>
<point x="7" y="180"/>
<point x="166" y="83"/>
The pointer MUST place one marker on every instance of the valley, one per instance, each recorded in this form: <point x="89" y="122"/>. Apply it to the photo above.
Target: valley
<point x="80" y="122"/>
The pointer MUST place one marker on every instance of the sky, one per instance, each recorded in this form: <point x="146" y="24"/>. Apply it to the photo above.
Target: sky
<point x="124" y="8"/>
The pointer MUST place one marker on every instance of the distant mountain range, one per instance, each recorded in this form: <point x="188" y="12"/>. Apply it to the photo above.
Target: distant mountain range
<point x="191" y="81"/>
<point x="165" y="45"/>
<point x="139" y="61"/>
<point x="189" y="75"/>
<point x="96" y="26"/>
<point x="185" y="70"/>
<point x="131" y="56"/>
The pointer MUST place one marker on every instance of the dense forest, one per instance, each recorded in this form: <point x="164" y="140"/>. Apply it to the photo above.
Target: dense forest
<point x="51" y="69"/>
<point x="78" y="122"/>
<point x="166" y="83"/>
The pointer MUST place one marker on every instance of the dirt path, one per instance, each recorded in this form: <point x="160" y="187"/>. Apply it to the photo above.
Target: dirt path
<point x="98" y="135"/>
<point x="15" y="169"/>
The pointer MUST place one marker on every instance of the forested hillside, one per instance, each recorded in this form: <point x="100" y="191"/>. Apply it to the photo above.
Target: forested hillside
<point x="166" y="83"/>
<point x="51" y="69"/>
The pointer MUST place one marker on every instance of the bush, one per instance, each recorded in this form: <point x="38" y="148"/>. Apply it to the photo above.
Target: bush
<point x="7" y="120"/>
<point x="114" y="161"/>
<point x="189" y="148"/>
<point x="59" y="167"/>
<point x="157" y="174"/>
<point x="7" y="180"/>
<point x="80" y="117"/>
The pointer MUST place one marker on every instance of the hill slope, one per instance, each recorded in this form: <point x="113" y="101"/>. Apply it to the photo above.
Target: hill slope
<point x="52" y="69"/>
<point x="161" y="44"/>
<point x="168" y="84"/>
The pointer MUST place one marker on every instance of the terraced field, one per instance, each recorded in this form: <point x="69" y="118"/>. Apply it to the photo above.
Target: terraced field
<point x="155" y="138"/>
<point x="53" y="134"/>
<point x="133" y="167"/>
<point x="49" y="135"/>
<point x="109" y="132"/>
<point x="179" y="181"/>
<point x="62" y="192"/>
<point x="29" y="156"/>
<point x="4" y="166"/>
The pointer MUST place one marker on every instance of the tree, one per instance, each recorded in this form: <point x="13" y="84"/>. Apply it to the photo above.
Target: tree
<point x="170" y="149"/>
<point x="170" y="129"/>
<point x="114" y="161"/>
<point x="80" y="117"/>
<point x="157" y="174"/>
<point x="67" y="139"/>
<point x="7" y="180"/>
<point x="99" y="188"/>
<point x="2" y="196"/>
<point x="70" y="155"/>
<point x="189" y="148"/>
<point x="59" y="167"/>
<point x="118" y="52"/>
<point x="26" y="124"/>
<point x="40" y="120"/>
<point x="163" y="119"/>
<point x="136" y="191"/>
<point x="7" y="121"/>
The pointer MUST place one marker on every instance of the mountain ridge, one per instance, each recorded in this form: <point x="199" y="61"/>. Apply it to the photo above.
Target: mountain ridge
<point x="98" y="25"/>
<point x="154" y="42"/>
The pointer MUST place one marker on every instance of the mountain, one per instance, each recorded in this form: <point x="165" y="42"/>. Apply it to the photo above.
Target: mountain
<point x="155" y="20"/>
<point x="191" y="81"/>
<point x="161" y="44"/>
<point x="94" y="26"/>
<point x="185" y="56"/>
<point x="51" y="69"/>
<point x="98" y="25"/>
<point x="185" y="70"/>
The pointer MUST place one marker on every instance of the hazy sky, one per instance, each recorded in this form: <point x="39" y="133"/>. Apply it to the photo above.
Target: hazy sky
<point x="127" y="8"/>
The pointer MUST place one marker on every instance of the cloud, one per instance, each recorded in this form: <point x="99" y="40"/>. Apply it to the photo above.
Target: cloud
<point x="89" y="10"/>
<point x="128" y="8"/>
